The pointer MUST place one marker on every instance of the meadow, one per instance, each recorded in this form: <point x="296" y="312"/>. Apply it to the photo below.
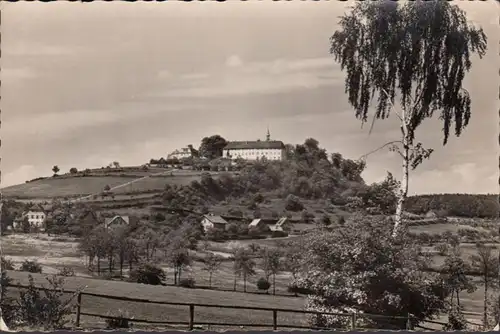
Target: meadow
<point x="71" y="186"/>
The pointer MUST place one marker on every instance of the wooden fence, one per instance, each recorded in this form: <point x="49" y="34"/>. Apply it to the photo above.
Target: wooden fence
<point x="191" y="324"/>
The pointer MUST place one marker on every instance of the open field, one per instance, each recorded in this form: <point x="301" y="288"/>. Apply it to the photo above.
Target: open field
<point x="441" y="228"/>
<point x="74" y="186"/>
<point x="99" y="305"/>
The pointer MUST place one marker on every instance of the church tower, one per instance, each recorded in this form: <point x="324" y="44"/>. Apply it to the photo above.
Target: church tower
<point x="268" y="136"/>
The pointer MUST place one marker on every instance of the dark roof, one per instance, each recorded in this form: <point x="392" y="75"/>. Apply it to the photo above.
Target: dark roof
<point x="239" y="145"/>
<point x="216" y="219"/>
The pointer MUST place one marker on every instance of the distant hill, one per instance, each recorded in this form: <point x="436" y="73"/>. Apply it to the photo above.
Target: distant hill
<point x="460" y="205"/>
<point x="95" y="181"/>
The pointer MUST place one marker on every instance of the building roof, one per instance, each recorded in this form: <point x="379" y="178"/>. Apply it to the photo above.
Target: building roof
<point x="246" y="145"/>
<point x="215" y="219"/>
<point x="109" y="221"/>
<point x="282" y="221"/>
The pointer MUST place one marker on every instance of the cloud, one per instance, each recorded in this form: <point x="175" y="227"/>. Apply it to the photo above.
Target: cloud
<point x="10" y="74"/>
<point x="234" y="61"/>
<point x="255" y="78"/>
<point x="37" y="49"/>
<point x="19" y="175"/>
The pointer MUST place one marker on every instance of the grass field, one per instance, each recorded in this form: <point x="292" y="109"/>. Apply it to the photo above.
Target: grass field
<point x="53" y="253"/>
<point x="175" y="294"/>
<point x="71" y="186"/>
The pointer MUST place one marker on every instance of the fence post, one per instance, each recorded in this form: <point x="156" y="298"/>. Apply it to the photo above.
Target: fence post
<point x="275" y="319"/>
<point x="353" y="320"/>
<point x="191" y="317"/>
<point x="408" y="322"/>
<point x="78" y="308"/>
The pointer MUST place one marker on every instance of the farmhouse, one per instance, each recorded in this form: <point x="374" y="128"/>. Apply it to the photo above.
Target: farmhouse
<point x="211" y="221"/>
<point x="35" y="217"/>
<point x="273" y="225"/>
<point x="116" y="221"/>
<point x="253" y="150"/>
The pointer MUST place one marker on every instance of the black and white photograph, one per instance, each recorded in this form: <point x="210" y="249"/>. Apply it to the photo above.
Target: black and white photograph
<point x="250" y="165"/>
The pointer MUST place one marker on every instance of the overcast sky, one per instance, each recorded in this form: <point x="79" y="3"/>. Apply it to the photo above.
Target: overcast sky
<point x="84" y="84"/>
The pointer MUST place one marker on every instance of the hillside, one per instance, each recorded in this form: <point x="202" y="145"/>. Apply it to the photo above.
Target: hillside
<point x="153" y="180"/>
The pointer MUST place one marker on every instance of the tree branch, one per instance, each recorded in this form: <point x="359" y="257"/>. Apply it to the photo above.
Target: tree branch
<point x="381" y="147"/>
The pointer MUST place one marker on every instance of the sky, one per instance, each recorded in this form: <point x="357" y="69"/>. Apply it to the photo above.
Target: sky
<point x="85" y="84"/>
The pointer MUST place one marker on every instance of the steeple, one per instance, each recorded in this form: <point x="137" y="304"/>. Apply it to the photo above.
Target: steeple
<point x="268" y="136"/>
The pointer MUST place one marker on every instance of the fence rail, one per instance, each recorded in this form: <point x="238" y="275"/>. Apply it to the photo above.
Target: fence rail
<point x="191" y="324"/>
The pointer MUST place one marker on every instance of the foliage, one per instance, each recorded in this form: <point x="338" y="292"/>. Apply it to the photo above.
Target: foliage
<point x="148" y="274"/>
<point x="456" y="320"/>
<point x="263" y="284"/>
<point x="454" y="275"/>
<point x="418" y="51"/>
<point x="119" y="320"/>
<point x="73" y="170"/>
<point x="293" y="204"/>
<point x="187" y="282"/>
<point x="244" y="264"/>
<point x="348" y="269"/>
<point x="211" y="147"/>
<point x="56" y="170"/>
<point x="66" y="272"/>
<point x="6" y="264"/>
<point x="486" y="263"/>
<point x="49" y="310"/>
<point x="31" y="267"/>
<point x="459" y="205"/>
<point x="211" y="264"/>
<point x="272" y="264"/>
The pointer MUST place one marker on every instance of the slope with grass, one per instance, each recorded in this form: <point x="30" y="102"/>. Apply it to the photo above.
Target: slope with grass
<point x="72" y="186"/>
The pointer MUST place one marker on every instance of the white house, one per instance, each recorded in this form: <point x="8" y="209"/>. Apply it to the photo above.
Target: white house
<point x="211" y="221"/>
<point x="185" y="152"/>
<point x="36" y="219"/>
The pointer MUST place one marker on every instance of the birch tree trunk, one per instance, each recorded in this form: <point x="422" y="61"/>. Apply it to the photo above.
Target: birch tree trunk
<point x="403" y="191"/>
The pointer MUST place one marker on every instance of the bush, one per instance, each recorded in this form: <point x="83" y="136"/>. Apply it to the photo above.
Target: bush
<point x="187" y="283"/>
<point x="293" y="203"/>
<point x="66" y="272"/>
<point x="31" y="267"/>
<point x="442" y="249"/>
<point x="119" y="321"/>
<point x="49" y="310"/>
<point x="7" y="264"/>
<point x="148" y="274"/>
<point x="263" y="284"/>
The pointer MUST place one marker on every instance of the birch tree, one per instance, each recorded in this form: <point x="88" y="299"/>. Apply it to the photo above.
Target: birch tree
<point x="417" y="54"/>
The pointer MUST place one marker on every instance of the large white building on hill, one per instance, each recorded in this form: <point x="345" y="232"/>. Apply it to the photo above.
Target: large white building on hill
<point x="253" y="150"/>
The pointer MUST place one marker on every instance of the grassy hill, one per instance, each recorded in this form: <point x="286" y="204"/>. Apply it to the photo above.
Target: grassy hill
<point x="94" y="183"/>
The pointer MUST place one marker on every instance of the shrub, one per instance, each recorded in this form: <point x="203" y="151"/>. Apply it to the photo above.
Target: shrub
<point x="187" y="283"/>
<point x="442" y="249"/>
<point x="66" y="272"/>
<point x="148" y="274"/>
<point x="293" y="203"/>
<point x="7" y="264"/>
<point x="49" y="310"/>
<point x="118" y="321"/>
<point x="263" y="284"/>
<point x="31" y="267"/>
